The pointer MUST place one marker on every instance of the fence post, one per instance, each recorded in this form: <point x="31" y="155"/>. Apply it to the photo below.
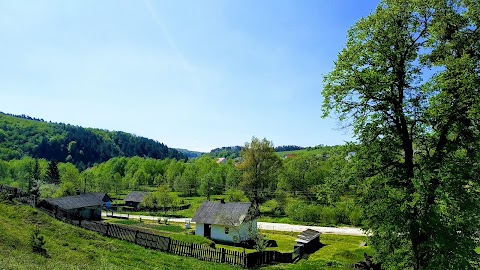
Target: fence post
<point x="223" y="255"/>
<point x="169" y="244"/>
<point x="244" y="256"/>
<point x="191" y="249"/>
<point x="136" y="234"/>
<point x="108" y="227"/>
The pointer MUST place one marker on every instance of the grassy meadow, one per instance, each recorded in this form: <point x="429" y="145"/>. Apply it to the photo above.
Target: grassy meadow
<point x="69" y="247"/>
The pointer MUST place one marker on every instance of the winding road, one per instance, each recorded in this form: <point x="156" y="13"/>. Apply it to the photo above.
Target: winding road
<point x="271" y="226"/>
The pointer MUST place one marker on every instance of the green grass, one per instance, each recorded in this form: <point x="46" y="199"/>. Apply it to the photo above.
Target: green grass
<point x="303" y="151"/>
<point x="69" y="247"/>
<point x="172" y="230"/>
<point x="339" y="252"/>
<point x="169" y="228"/>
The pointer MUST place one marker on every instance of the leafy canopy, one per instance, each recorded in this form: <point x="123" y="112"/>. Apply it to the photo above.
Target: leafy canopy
<point x="408" y="82"/>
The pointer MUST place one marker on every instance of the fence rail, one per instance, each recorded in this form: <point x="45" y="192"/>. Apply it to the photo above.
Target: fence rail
<point x="157" y="242"/>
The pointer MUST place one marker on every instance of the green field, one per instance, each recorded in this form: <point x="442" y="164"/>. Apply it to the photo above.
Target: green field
<point x="303" y="151"/>
<point x="69" y="247"/>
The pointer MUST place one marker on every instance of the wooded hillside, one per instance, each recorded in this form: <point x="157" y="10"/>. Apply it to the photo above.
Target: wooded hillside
<point x="25" y="136"/>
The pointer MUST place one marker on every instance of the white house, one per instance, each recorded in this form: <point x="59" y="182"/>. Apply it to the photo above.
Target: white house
<point x="225" y="222"/>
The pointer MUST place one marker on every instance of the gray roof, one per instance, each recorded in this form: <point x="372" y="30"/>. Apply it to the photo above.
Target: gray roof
<point x="135" y="196"/>
<point x="79" y="201"/>
<point x="230" y="214"/>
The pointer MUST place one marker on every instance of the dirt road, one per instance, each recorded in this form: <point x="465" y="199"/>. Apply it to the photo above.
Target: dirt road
<point x="275" y="226"/>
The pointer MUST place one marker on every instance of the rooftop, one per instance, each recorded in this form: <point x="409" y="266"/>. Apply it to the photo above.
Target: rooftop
<point x="79" y="201"/>
<point x="230" y="214"/>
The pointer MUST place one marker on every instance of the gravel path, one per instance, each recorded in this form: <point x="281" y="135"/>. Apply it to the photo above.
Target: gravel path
<point x="275" y="226"/>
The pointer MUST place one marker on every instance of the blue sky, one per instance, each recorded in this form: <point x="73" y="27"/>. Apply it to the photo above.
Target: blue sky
<point x="190" y="74"/>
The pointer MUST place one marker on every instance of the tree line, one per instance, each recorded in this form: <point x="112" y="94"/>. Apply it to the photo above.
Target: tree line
<point x="25" y="136"/>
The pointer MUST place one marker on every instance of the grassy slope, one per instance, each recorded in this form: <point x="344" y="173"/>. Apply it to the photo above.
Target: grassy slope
<point x="339" y="251"/>
<point x="303" y="151"/>
<point x="70" y="247"/>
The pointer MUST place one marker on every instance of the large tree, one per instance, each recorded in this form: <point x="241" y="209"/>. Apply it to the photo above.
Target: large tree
<point x="408" y="83"/>
<point x="259" y="168"/>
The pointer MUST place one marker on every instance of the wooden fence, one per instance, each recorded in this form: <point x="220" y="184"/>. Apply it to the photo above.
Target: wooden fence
<point x="166" y="244"/>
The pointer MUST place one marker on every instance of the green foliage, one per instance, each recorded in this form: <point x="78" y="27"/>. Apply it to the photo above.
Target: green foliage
<point x="37" y="242"/>
<point x="259" y="167"/>
<point x="235" y="195"/>
<point x="340" y="213"/>
<point x="226" y="152"/>
<point x="416" y="166"/>
<point x="53" y="175"/>
<point x="165" y="198"/>
<point x="70" y="247"/>
<point x="25" y="136"/>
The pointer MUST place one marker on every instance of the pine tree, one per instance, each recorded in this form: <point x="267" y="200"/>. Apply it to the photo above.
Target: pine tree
<point x="52" y="172"/>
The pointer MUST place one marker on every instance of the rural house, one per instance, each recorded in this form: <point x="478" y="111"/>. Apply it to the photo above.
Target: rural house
<point x="222" y="160"/>
<point x="87" y="206"/>
<point x="225" y="222"/>
<point x="134" y="198"/>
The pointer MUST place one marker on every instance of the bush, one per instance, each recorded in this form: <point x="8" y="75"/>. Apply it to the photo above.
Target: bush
<point x="328" y="215"/>
<point x="235" y="195"/>
<point x="37" y="242"/>
<point x="341" y="213"/>
<point x="356" y="216"/>
<point x="300" y="211"/>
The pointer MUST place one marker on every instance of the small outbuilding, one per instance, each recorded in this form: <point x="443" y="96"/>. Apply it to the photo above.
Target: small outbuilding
<point x="134" y="198"/>
<point x="309" y="241"/>
<point x="86" y="206"/>
<point x="226" y="222"/>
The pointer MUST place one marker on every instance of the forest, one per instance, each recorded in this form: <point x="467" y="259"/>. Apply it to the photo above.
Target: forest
<point x="26" y="136"/>
<point x="303" y="188"/>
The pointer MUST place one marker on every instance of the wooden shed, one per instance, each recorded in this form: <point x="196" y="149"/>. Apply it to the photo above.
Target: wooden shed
<point x="86" y="206"/>
<point x="134" y="198"/>
<point x="309" y="241"/>
<point x="225" y="222"/>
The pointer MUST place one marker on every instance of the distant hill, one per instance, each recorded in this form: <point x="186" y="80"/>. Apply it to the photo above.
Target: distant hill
<point x="234" y="151"/>
<point x="189" y="154"/>
<point x="284" y="148"/>
<point x="226" y="152"/>
<point x="22" y="135"/>
<point x="316" y="150"/>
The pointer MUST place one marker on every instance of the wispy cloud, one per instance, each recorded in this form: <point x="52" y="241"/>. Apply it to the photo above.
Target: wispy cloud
<point x="167" y="35"/>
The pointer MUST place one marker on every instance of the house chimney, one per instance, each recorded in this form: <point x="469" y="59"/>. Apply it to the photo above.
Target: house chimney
<point x="222" y="201"/>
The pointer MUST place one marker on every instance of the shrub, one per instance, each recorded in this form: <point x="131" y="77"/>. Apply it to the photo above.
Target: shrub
<point x="328" y="215"/>
<point x="235" y="195"/>
<point x="356" y="215"/>
<point x="341" y="213"/>
<point x="300" y="211"/>
<point x="37" y="242"/>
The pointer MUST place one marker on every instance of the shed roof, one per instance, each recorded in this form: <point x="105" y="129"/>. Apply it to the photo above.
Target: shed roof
<point x="135" y="196"/>
<point x="307" y="236"/>
<point x="79" y="201"/>
<point x="229" y="214"/>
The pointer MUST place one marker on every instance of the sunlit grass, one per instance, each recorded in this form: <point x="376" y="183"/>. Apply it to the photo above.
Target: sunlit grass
<point x="69" y="247"/>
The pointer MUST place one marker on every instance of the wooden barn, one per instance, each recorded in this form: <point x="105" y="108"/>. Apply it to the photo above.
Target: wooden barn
<point x="225" y="222"/>
<point x="134" y="198"/>
<point x="87" y="206"/>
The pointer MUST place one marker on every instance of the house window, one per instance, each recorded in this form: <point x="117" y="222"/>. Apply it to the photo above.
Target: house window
<point x="227" y="230"/>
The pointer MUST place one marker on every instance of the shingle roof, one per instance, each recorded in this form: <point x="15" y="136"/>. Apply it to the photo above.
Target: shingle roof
<point x="135" y="196"/>
<point x="307" y="236"/>
<point x="79" y="201"/>
<point x="230" y="214"/>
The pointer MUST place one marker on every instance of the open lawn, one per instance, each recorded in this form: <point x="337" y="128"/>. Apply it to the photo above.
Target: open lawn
<point x="69" y="247"/>
<point x="339" y="252"/>
<point x="303" y="151"/>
